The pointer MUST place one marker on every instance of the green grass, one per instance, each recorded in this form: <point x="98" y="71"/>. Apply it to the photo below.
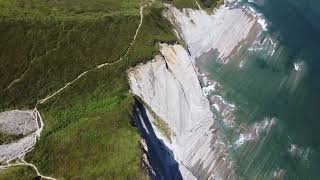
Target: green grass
<point x="51" y="53"/>
<point x="161" y="124"/>
<point x="18" y="173"/>
<point x="87" y="133"/>
<point x="210" y="4"/>
<point x="183" y="3"/>
<point x="68" y="8"/>
<point x="207" y="5"/>
<point x="7" y="138"/>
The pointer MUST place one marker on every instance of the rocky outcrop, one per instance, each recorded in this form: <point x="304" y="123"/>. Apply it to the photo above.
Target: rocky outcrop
<point x="222" y="31"/>
<point x="169" y="86"/>
<point x="181" y="123"/>
<point x="27" y="123"/>
<point x="17" y="122"/>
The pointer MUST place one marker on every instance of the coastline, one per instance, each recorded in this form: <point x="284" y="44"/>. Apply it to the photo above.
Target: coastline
<point x="193" y="27"/>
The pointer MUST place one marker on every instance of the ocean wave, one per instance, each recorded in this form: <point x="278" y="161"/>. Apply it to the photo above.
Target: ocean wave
<point x="255" y="131"/>
<point x="242" y="63"/>
<point x="300" y="152"/>
<point x="209" y="89"/>
<point x="242" y="139"/>
<point x="264" y="43"/>
<point x="299" y="66"/>
<point x="260" y="17"/>
<point x="279" y="174"/>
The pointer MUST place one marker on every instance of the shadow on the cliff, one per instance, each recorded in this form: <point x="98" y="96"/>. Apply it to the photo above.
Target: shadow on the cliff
<point x="160" y="157"/>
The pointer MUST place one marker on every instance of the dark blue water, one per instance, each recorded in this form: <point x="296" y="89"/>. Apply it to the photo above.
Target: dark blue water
<point x="270" y="87"/>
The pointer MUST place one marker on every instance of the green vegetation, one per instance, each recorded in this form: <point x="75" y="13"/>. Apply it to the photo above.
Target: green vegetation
<point x="44" y="45"/>
<point x="183" y="3"/>
<point x="7" y="138"/>
<point x="210" y="4"/>
<point x="207" y="5"/>
<point x="68" y="9"/>
<point x="18" y="172"/>
<point x="161" y="124"/>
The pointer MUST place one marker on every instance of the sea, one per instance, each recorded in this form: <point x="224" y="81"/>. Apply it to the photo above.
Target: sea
<point x="266" y="98"/>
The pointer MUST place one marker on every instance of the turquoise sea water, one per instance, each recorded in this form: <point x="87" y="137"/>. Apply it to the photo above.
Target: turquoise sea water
<point x="282" y="84"/>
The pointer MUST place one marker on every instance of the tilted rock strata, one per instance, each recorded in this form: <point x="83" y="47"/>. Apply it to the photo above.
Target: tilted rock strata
<point x="222" y="31"/>
<point x="170" y="87"/>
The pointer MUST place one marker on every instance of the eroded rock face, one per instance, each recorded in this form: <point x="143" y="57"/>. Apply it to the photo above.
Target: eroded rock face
<point x="27" y="123"/>
<point x="222" y="31"/>
<point x="169" y="85"/>
<point x="17" y="122"/>
<point x="16" y="149"/>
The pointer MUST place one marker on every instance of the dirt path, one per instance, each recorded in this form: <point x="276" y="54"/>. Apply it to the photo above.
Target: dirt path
<point x="198" y="5"/>
<point x="101" y="65"/>
<point x="19" y="158"/>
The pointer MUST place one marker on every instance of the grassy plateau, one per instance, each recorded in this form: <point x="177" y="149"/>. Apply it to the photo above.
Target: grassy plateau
<point x="46" y="44"/>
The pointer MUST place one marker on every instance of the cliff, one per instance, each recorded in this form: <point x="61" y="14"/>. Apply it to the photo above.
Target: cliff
<point x="222" y="31"/>
<point x="175" y="106"/>
<point x="170" y="87"/>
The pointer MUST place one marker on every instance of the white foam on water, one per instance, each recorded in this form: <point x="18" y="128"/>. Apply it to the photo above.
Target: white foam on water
<point x="254" y="132"/>
<point x="274" y="46"/>
<point x="298" y="66"/>
<point x="263" y="23"/>
<point x="224" y="108"/>
<point x="216" y="106"/>
<point x="293" y="148"/>
<point x="243" y="138"/>
<point x="224" y="101"/>
<point x="209" y="89"/>
<point x="255" y="49"/>
<point x="300" y="152"/>
<point x="279" y="174"/>
<point x="267" y="46"/>
<point x="261" y="20"/>
<point x="242" y="63"/>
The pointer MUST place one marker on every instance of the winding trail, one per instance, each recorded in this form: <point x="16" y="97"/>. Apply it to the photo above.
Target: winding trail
<point x="41" y="101"/>
<point x="198" y="5"/>
<point x="20" y="155"/>
<point x="19" y="158"/>
<point x="58" y="45"/>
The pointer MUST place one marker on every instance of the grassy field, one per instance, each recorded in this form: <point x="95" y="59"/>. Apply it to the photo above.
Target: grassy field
<point x="210" y="4"/>
<point x="205" y="4"/>
<point x="6" y="138"/>
<point x="45" y="44"/>
<point x="17" y="173"/>
<point x="183" y="3"/>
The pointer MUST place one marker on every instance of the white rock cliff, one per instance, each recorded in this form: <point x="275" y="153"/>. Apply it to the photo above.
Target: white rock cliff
<point x="170" y="87"/>
<point x="177" y="115"/>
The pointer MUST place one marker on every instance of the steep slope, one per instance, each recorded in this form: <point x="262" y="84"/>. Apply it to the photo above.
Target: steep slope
<point x="175" y="104"/>
<point x="170" y="87"/>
